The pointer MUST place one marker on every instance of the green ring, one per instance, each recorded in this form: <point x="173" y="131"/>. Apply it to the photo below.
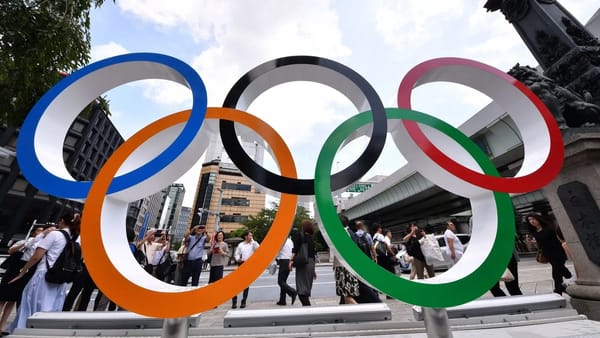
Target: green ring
<point x="439" y="295"/>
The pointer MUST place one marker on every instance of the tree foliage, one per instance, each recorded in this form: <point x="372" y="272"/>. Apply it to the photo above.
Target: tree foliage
<point x="260" y="224"/>
<point x="38" y="40"/>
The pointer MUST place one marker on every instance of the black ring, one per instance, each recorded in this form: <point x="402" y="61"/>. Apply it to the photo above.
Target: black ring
<point x="304" y="68"/>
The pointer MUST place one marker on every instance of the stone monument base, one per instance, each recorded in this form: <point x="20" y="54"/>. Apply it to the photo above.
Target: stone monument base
<point x="574" y="196"/>
<point x="586" y="300"/>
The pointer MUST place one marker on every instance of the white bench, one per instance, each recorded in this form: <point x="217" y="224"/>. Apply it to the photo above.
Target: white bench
<point x="307" y="315"/>
<point x="502" y="305"/>
<point x="101" y="320"/>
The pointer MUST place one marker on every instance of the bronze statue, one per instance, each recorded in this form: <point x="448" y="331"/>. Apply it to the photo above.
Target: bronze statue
<point x="567" y="107"/>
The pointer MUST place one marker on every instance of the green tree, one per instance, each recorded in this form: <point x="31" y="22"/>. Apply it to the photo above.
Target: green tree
<point x="260" y="224"/>
<point x="38" y="40"/>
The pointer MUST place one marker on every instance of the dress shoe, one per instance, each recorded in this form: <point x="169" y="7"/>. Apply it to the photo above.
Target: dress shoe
<point x="234" y="306"/>
<point x="243" y="305"/>
<point x="281" y="303"/>
<point x="294" y="295"/>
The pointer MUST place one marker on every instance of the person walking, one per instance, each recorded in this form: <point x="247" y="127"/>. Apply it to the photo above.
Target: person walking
<point x="305" y="273"/>
<point x="243" y="251"/>
<point x="511" y="286"/>
<point x="40" y="295"/>
<point x="346" y="283"/>
<point x="220" y="257"/>
<point x="453" y="244"/>
<point x="547" y="237"/>
<point x="413" y="247"/>
<point x="283" y="261"/>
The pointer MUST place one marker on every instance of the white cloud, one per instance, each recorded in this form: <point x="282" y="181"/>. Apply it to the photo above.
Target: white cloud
<point x="165" y="92"/>
<point x="409" y="24"/>
<point x="225" y="39"/>
<point x="100" y="52"/>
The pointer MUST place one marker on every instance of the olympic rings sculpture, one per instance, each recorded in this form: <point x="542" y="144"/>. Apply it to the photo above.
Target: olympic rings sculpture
<point x="164" y="150"/>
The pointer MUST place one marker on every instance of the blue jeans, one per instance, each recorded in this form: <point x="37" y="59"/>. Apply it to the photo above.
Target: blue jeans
<point x="193" y="269"/>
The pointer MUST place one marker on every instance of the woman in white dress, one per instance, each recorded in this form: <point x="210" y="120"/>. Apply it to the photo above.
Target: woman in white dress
<point x="10" y="294"/>
<point x="39" y="295"/>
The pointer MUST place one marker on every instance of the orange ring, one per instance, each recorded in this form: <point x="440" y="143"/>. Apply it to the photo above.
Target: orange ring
<point x="135" y="297"/>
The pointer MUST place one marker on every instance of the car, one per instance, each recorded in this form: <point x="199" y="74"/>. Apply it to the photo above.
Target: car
<point x="447" y="263"/>
<point x="402" y="264"/>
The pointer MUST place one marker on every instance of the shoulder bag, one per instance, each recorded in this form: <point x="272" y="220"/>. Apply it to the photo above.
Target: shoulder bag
<point x="540" y="257"/>
<point x="301" y="257"/>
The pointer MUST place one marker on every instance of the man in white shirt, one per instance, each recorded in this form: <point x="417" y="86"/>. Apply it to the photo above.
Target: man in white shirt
<point x="243" y="251"/>
<point x="453" y="244"/>
<point x="283" y="260"/>
<point x="378" y="236"/>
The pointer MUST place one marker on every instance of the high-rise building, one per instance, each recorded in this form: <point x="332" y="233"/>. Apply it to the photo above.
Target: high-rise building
<point x="172" y="207"/>
<point x="183" y="223"/>
<point x="225" y="198"/>
<point x="90" y="140"/>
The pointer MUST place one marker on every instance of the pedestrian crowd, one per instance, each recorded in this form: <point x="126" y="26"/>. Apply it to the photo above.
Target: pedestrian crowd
<point x="36" y="278"/>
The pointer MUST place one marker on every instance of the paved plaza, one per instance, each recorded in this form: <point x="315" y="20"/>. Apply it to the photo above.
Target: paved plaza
<point x="534" y="280"/>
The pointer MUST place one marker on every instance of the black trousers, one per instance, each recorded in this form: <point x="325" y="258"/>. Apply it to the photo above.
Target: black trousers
<point x="282" y="276"/>
<point x="512" y="286"/>
<point x="244" y="295"/>
<point x="84" y="285"/>
<point x="559" y="270"/>
<point x="191" y="269"/>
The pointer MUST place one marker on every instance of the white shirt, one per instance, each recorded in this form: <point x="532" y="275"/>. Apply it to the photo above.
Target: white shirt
<point x="387" y="241"/>
<point x="458" y="247"/>
<point x="286" y="249"/>
<point x="244" y="250"/>
<point x="149" y="249"/>
<point x="379" y="237"/>
<point x="54" y="243"/>
<point x="159" y="255"/>
<point x="30" y="246"/>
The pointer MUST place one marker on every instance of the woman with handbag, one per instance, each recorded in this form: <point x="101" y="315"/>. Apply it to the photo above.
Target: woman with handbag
<point x="413" y="240"/>
<point x="10" y="294"/>
<point x="303" y="258"/>
<point x="546" y="236"/>
<point x="220" y="257"/>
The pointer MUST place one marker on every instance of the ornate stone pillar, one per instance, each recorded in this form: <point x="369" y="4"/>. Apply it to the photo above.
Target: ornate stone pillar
<point x="574" y="197"/>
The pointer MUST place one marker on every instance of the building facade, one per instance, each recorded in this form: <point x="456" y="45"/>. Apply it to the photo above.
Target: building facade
<point x="182" y="225"/>
<point x="90" y="140"/>
<point x="224" y="198"/>
<point x="172" y="207"/>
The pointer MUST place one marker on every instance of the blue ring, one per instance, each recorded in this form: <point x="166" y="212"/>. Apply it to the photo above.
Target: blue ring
<point x="44" y="180"/>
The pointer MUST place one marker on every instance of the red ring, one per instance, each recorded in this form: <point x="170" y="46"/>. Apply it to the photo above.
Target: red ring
<point x="532" y="181"/>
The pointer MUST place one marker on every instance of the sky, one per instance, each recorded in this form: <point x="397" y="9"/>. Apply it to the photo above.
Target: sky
<point x="381" y="40"/>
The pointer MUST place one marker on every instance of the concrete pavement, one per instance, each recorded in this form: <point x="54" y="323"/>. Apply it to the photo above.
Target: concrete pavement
<point x="556" y="323"/>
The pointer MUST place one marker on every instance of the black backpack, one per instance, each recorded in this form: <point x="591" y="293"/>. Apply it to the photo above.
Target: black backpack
<point x="68" y="264"/>
<point x="381" y="248"/>
<point x="363" y="244"/>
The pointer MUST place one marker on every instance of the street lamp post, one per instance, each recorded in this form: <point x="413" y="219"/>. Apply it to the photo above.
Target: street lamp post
<point x="218" y="214"/>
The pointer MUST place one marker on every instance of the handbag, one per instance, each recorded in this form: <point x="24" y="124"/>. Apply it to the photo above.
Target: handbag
<point x="272" y="268"/>
<point x="507" y="276"/>
<point x="301" y="257"/>
<point x="540" y="257"/>
<point x="431" y="249"/>
<point x="164" y="266"/>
